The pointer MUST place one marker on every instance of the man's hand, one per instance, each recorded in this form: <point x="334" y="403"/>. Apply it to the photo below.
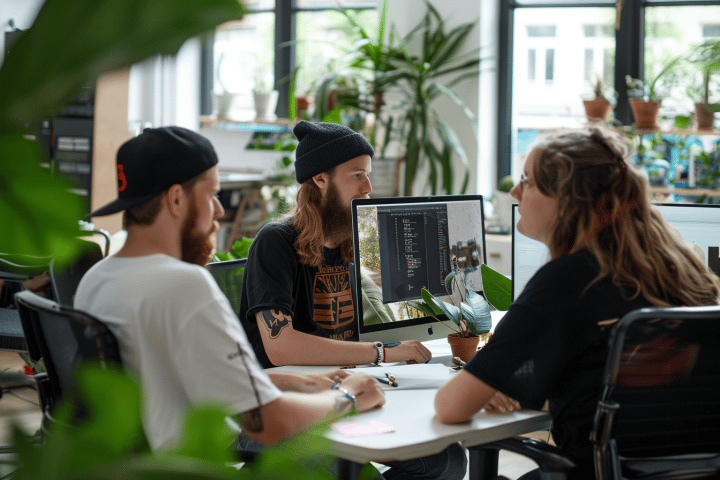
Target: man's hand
<point x="367" y="391"/>
<point x="411" y="351"/>
<point x="501" y="403"/>
<point x="317" y="382"/>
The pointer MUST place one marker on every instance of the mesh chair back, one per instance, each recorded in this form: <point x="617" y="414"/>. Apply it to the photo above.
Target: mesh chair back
<point x="14" y="270"/>
<point x="66" y="337"/>
<point x="66" y="280"/>
<point x="229" y="277"/>
<point x="661" y="386"/>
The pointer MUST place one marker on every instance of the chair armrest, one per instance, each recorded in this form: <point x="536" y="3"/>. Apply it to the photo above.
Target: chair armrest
<point x="547" y="457"/>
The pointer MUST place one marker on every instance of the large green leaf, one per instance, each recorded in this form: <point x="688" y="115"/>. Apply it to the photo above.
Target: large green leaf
<point x="39" y="213"/>
<point x="72" y="43"/>
<point x="497" y="288"/>
<point x="69" y="45"/>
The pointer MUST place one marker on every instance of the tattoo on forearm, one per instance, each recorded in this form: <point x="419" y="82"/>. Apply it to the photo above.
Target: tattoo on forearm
<point x="275" y="321"/>
<point x="252" y="421"/>
<point x="252" y="418"/>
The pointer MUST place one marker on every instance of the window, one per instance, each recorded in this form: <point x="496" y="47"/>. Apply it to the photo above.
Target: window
<point x="572" y="43"/>
<point x="275" y="37"/>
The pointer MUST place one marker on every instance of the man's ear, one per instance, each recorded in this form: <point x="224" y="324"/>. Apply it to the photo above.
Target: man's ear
<point x="176" y="200"/>
<point x="322" y="180"/>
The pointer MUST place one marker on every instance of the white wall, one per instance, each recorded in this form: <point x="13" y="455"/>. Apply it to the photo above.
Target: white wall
<point x="21" y="12"/>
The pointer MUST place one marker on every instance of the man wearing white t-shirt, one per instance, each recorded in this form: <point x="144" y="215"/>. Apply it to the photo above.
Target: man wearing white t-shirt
<point x="174" y="326"/>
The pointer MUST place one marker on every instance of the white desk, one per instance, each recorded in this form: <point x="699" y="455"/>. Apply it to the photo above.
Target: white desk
<point x="418" y="433"/>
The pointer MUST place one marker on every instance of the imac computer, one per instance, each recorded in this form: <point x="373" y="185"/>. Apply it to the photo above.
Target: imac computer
<point x="404" y="244"/>
<point x="698" y="224"/>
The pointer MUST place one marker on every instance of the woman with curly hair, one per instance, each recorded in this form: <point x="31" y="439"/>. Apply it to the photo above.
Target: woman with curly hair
<point x="610" y="253"/>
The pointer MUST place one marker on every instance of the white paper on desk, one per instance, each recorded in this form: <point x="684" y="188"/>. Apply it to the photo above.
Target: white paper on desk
<point x="416" y="376"/>
<point x="407" y="377"/>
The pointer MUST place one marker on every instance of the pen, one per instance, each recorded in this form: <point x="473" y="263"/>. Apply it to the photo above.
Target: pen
<point x="386" y="381"/>
<point x="458" y="361"/>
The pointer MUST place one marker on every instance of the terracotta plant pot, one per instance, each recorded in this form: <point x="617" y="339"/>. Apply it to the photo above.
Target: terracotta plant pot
<point x="704" y="117"/>
<point x="597" y="110"/>
<point x="645" y="113"/>
<point x="463" y="347"/>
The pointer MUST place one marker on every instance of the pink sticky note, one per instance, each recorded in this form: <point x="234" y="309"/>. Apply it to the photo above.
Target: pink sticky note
<point x="359" y="429"/>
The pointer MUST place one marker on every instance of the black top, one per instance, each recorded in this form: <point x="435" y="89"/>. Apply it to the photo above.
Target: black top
<point x="318" y="299"/>
<point x="549" y="346"/>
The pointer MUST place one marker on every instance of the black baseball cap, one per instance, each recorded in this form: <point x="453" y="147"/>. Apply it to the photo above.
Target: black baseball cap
<point x="155" y="160"/>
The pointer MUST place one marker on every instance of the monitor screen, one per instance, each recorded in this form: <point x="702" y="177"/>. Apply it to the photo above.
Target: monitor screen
<point x="698" y="224"/>
<point x="404" y="244"/>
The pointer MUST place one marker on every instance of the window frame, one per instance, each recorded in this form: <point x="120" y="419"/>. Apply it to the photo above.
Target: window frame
<point x="628" y="61"/>
<point x="285" y="21"/>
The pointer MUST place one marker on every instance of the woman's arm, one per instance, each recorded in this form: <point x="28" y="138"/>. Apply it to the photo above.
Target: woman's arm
<point x="461" y="397"/>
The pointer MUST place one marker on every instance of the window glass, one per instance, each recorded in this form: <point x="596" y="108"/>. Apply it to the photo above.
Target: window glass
<point x="558" y="54"/>
<point x="244" y="60"/>
<point x="324" y="37"/>
<point x="670" y="32"/>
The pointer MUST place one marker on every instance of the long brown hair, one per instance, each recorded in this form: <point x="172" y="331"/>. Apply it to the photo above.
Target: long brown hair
<point x="307" y="220"/>
<point x="604" y="206"/>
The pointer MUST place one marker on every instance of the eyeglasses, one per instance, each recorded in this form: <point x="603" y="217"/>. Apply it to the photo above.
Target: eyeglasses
<point x="524" y="180"/>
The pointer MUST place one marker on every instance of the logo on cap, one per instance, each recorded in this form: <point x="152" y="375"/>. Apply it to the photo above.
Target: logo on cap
<point x="122" y="181"/>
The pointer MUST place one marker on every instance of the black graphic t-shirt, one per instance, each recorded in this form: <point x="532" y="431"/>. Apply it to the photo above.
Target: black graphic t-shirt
<point x="318" y="299"/>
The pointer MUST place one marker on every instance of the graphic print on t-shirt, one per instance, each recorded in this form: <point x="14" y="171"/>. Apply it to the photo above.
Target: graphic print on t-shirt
<point x="332" y="302"/>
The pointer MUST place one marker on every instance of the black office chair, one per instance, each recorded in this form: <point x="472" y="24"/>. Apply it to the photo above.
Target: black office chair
<point x="14" y="270"/>
<point x="65" y="279"/>
<point x="229" y="277"/>
<point x="658" y="416"/>
<point x="64" y="337"/>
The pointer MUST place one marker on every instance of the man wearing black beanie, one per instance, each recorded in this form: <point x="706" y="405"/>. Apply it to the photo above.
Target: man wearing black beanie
<point x="297" y="306"/>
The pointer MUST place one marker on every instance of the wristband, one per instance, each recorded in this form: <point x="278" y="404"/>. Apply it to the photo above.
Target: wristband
<point x="381" y="352"/>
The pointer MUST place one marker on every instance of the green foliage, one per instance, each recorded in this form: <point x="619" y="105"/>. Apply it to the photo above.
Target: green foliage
<point x="667" y="75"/>
<point x="473" y="315"/>
<point x="438" y="59"/>
<point x="240" y="249"/>
<point x="69" y="45"/>
<point x="505" y="184"/>
<point x="706" y="57"/>
<point x="377" y="65"/>
<point x="497" y="288"/>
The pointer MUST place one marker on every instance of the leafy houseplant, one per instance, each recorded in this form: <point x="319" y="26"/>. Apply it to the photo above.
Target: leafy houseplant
<point x="376" y="67"/>
<point x="706" y="56"/>
<point x="468" y="310"/>
<point x="645" y="97"/>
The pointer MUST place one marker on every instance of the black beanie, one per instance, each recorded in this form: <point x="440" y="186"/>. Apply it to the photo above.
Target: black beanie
<point x="323" y="146"/>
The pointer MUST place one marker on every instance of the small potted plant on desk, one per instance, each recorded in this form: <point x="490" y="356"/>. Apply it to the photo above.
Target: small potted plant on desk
<point x="601" y="106"/>
<point x="468" y="310"/>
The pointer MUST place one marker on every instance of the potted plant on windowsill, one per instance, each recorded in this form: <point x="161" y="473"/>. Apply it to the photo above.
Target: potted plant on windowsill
<point x="468" y="310"/>
<point x="645" y="97"/>
<point x="599" y="108"/>
<point x="706" y="57"/>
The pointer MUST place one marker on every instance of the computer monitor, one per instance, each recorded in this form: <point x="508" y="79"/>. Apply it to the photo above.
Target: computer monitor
<point x="698" y="224"/>
<point x="404" y="244"/>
